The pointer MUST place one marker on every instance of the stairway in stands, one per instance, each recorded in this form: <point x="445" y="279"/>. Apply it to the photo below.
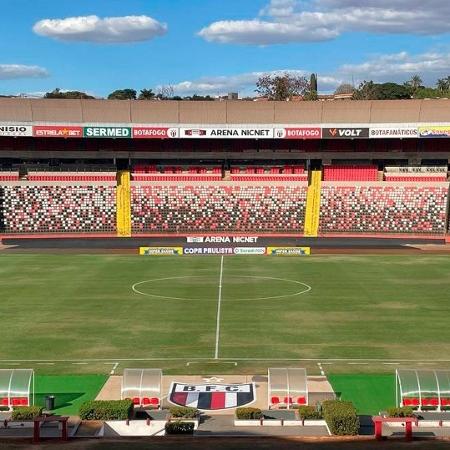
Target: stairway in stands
<point x="312" y="213"/>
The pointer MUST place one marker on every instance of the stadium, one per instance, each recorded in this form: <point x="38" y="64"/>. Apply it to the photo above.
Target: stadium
<point x="230" y="241"/>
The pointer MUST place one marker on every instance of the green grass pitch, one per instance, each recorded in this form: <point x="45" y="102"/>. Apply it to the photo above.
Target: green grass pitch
<point x="62" y="307"/>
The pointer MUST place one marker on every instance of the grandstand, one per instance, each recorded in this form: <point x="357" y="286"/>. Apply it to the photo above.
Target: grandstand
<point x="223" y="167"/>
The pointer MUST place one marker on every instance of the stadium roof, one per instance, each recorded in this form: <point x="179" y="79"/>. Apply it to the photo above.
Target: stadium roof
<point x="21" y="110"/>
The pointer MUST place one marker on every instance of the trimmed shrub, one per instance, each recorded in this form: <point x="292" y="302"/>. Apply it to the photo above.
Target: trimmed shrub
<point x="309" y="413"/>
<point x="184" y="412"/>
<point x="179" y="427"/>
<point x="341" y="417"/>
<point x="106" y="410"/>
<point x="4" y="408"/>
<point x="26" y="413"/>
<point x="405" y="411"/>
<point x="248" y="413"/>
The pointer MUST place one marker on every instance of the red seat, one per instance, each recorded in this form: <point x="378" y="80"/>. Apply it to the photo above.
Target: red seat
<point x="15" y="401"/>
<point x="301" y="401"/>
<point x="146" y="401"/>
<point x="154" y="401"/>
<point x="287" y="400"/>
<point x="23" y="401"/>
<point x="4" y="402"/>
<point x="407" y="402"/>
<point x="275" y="400"/>
<point x="445" y="401"/>
<point x="434" y="401"/>
<point x="136" y="401"/>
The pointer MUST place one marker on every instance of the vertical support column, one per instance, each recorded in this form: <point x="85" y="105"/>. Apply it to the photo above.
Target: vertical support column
<point x="312" y="213"/>
<point x="123" y="204"/>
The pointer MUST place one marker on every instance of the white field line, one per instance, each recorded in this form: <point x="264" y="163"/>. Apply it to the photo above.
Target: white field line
<point x="322" y="372"/>
<point x="219" y="304"/>
<point x="322" y="360"/>
<point x="113" y="370"/>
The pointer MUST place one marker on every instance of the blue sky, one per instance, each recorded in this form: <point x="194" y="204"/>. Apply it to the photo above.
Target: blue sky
<point x="216" y="46"/>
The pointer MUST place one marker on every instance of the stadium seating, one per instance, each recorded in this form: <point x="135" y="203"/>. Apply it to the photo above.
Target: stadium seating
<point x="383" y="209"/>
<point x="416" y="174"/>
<point x="350" y="173"/>
<point x="216" y="208"/>
<point x="53" y="209"/>
<point x="71" y="176"/>
<point x="252" y="173"/>
<point x="9" y="176"/>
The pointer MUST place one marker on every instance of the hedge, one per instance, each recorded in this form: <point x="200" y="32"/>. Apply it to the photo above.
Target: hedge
<point x="341" y="417"/>
<point x="179" y="427"/>
<point x="26" y="413"/>
<point x="309" y="413"/>
<point x="248" y="413"/>
<point x="184" y="412"/>
<point x="106" y="410"/>
<point x="405" y="411"/>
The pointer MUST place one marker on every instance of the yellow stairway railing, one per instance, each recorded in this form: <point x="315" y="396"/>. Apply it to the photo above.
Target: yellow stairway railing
<point x="123" y="204"/>
<point x="312" y="214"/>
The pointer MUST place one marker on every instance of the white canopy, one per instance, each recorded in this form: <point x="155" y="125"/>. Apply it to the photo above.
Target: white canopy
<point x="16" y="387"/>
<point x="287" y="387"/>
<point x="143" y="386"/>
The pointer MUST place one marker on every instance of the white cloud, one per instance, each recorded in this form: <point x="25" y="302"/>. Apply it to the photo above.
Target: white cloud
<point x="283" y="21"/>
<point x="400" y="66"/>
<point x="13" y="71"/>
<point x="243" y="83"/>
<point x="108" y="30"/>
<point x="397" y="67"/>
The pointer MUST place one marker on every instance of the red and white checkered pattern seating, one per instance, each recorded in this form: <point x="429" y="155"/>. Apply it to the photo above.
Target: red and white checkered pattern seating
<point x="383" y="209"/>
<point x="59" y="209"/>
<point x="216" y="208"/>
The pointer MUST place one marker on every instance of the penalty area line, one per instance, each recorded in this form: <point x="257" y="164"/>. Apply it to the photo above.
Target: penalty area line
<point x="219" y="303"/>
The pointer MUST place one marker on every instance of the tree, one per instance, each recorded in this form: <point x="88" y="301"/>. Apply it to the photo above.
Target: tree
<point x="57" y="93"/>
<point x="365" y="91"/>
<point x="146" y="94"/>
<point x="368" y="90"/>
<point x="165" y="92"/>
<point x="443" y="85"/>
<point x="344" y="88"/>
<point x="428" y="92"/>
<point x="123" y="94"/>
<point x="392" y="91"/>
<point x="282" y="87"/>
<point x="414" y="84"/>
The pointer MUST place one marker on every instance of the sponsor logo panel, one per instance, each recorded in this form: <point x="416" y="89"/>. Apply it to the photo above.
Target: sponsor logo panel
<point x="212" y="396"/>
<point x="59" y="131"/>
<point x="288" y="251"/>
<point x="160" y="251"/>
<point x="16" y="130"/>
<point x="250" y="251"/>
<point x="208" y="251"/>
<point x="391" y="132"/>
<point x="107" y="132"/>
<point x="299" y="133"/>
<point x="154" y="133"/>
<point x="431" y="131"/>
<point x="229" y="133"/>
<point x="345" y="133"/>
<point x="222" y="239"/>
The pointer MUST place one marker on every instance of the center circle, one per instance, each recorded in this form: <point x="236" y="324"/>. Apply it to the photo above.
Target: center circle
<point x="209" y="287"/>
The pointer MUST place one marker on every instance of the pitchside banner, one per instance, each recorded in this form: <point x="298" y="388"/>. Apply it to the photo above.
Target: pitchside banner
<point x="288" y="251"/>
<point x="16" y="130"/>
<point x="298" y="133"/>
<point x="58" y="131"/>
<point x="432" y="131"/>
<point x="229" y="133"/>
<point x="392" y="132"/>
<point x="160" y="251"/>
<point x="154" y="133"/>
<point x="212" y="396"/>
<point x="345" y="133"/>
<point x="107" y="132"/>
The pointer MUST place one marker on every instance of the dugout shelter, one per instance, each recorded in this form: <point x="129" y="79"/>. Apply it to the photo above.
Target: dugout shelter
<point x="16" y="387"/>
<point x="142" y="386"/>
<point x="287" y="387"/>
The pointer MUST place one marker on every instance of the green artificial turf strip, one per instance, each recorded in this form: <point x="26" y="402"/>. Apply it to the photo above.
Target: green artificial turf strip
<point x="65" y="307"/>
<point x="70" y="391"/>
<point x="369" y="393"/>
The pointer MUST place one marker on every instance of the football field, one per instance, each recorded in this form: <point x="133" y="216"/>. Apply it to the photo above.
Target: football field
<point x="72" y="313"/>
